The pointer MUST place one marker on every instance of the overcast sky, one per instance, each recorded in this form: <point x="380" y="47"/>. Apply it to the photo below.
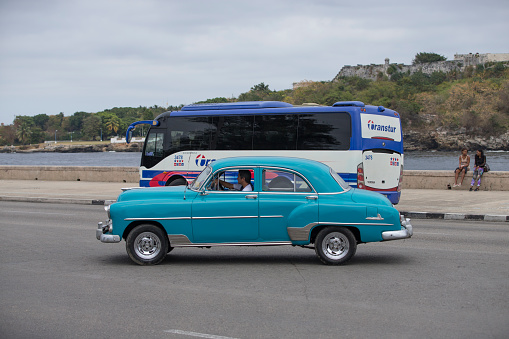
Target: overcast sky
<point x="68" y="56"/>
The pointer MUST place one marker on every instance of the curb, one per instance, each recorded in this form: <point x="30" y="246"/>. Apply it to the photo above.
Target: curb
<point x="53" y="200"/>
<point x="456" y="216"/>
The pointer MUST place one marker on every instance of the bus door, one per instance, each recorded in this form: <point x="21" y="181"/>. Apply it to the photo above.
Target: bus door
<point x="382" y="170"/>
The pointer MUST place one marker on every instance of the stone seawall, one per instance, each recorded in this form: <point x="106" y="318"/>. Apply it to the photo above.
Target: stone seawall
<point x="71" y="173"/>
<point x="492" y="181"/>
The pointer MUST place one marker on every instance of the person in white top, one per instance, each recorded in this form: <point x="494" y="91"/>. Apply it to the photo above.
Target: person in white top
<point x="464" y="163"/>
<point x="244" y="182"/>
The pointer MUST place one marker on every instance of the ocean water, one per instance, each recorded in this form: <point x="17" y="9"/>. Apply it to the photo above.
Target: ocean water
<point x="498" y="160"/>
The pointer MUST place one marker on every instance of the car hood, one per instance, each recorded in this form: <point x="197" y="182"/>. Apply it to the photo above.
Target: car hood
<point x="154" y="193"/>
<point x="363" y="196"/>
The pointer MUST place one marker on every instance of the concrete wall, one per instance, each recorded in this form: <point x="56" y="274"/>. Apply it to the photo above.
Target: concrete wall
<point x="70" y="173"/>
<point x="493" y="181"/>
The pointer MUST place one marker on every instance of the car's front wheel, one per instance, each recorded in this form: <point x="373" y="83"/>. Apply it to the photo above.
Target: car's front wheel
<point x="335" y="245"/>
<point x="147" y="245"/>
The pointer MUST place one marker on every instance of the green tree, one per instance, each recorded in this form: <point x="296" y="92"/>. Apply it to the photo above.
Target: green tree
<point x="40" y="120"/>
<point x="23" y="125"/>
<point x="258" y="92"/>
<point x="217" y="100"/>
<point x="423" y="57"/>
<point x="92" y="127"/>
<point x="7" y="135"/>
<point x="112" y="123"/>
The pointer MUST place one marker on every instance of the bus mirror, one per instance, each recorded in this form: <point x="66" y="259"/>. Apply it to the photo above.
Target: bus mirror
<point x="129" y="135"/>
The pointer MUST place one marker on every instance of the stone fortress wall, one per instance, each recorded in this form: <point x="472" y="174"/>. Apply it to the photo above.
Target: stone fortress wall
<point x="460" y="62"/>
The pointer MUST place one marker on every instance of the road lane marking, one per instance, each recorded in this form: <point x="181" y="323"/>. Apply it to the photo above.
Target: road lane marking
<point x="199" y="335"/>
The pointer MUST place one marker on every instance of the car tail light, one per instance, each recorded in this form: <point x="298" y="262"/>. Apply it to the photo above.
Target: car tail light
<point x="360" y="176"/>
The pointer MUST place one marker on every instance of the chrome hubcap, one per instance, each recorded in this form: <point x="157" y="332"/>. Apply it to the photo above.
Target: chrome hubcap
<point x="147" y="245"/>
<point x="335" y="245"/>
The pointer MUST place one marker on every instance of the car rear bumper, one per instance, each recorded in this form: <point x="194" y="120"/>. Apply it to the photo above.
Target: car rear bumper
<point x="405" y="232"/>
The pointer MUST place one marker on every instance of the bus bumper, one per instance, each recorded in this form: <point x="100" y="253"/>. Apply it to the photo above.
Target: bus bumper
<point x="392" y="196"/>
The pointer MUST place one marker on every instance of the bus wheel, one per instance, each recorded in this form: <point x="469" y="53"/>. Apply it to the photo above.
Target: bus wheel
<point x="147" y="245"/>
<point x="177" y="182"/>
<point x="335" y="245"/>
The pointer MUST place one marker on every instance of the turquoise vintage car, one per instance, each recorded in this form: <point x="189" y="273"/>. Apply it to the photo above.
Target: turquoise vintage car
<point x="253" y="201"/>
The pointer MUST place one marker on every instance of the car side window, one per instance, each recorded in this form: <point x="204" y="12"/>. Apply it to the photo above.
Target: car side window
<point x="281" y="181"/>
<point x="232" y="180"/>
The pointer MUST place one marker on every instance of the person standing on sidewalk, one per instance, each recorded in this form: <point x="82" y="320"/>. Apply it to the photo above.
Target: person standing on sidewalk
<point x="464" y="164"/>
<point x="480" y="162"/>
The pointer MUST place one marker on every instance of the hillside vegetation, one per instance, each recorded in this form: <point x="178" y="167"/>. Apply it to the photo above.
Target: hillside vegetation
<point x="474" y="102"/>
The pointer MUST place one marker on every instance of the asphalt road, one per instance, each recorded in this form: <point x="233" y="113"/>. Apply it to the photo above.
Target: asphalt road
<point x="451" y="280"/>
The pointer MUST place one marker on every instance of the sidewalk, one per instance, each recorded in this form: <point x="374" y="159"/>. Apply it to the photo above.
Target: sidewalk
<point x="415" y="203"/>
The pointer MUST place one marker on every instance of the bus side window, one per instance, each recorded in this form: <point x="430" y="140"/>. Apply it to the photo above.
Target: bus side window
<point x="324" y="131"/>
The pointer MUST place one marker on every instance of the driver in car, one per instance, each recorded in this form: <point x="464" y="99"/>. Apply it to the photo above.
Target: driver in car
<point x="243" y="179"/>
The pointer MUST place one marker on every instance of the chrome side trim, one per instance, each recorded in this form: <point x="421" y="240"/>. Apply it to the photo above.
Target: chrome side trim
<point x="180" y="240"/>
<point x="172" y="218"/>
<point x="334" y="193"/>
<point x="285" y="193"/>
<point x="354" y="223"/>
<point x="232" y="217"/>
<point x="379" y="217"/>
<point x="275" y="243"/>
<point x="229" y="192"/>
<point x="271" y="216"/>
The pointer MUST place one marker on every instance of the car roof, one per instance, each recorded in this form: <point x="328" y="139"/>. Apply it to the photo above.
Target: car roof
<point x="316" y="172"/>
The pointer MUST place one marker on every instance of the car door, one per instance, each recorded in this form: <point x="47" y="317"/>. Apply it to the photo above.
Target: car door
<point x="286" y="200"/>
<point x="225" y="216"/>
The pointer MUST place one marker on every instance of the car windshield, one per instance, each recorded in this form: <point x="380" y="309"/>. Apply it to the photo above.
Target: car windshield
<point x="339" y="180"/>
<point x="200" y="179"/>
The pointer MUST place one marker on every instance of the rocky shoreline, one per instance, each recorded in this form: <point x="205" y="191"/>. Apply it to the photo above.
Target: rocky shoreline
<point x="81" y="148"/>
<point x="438" y="140"/>
<point x="443" y="140"/>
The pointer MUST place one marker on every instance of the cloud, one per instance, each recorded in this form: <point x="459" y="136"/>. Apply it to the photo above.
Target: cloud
<point x="67" y="56"/>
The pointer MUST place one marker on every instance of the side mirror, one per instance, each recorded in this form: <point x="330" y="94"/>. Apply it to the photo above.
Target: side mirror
<point x="129" y="135"/>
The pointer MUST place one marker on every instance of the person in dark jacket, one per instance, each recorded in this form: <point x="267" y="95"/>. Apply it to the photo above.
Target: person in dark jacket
<point x="480" y="162"/>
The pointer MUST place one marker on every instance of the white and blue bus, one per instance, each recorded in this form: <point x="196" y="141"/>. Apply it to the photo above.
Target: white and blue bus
<point x="362" y="143"/>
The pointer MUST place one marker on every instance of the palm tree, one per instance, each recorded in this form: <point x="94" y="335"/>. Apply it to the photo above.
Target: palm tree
<point x="113" y="123"/>
<point x="24" y="131"/>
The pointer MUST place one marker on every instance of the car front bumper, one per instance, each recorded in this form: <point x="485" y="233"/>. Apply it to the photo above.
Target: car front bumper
<point x="406" y="231"/>
<point x="101" y="233"/>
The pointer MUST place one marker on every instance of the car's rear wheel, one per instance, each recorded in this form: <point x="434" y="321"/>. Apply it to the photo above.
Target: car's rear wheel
<point x="335" y="245"/>
<point x="147" y="245"/>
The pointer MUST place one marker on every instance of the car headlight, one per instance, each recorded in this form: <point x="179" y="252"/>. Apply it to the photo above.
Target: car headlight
<point x="107" y="209"/>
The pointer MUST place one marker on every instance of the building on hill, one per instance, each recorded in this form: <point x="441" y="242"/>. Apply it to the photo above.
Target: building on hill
<point x="460" y="62"/>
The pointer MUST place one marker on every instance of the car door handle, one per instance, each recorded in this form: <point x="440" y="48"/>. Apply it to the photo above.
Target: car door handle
<point x="312" y="197"/>
<point x="251" y="196"/>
